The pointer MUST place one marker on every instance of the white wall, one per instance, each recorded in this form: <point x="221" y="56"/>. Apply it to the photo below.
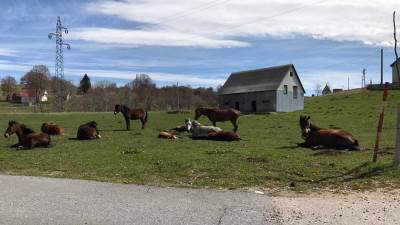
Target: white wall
<point x="286" y="102"/>
<point x="395" y="79"/>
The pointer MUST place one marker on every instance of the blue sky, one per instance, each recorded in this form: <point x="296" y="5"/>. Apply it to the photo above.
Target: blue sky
<point x="200" y="42"/>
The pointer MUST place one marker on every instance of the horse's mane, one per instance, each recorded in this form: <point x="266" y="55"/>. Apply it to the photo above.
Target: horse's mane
<point x="25" y="129"/>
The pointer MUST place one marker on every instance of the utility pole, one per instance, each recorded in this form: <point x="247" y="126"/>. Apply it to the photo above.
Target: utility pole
<point x="348" y="83"/>
<point x="177" y="92"/>
<point x="381" y="66"/>
<point x="363" y="78"/>
<point x="61" y="94"/>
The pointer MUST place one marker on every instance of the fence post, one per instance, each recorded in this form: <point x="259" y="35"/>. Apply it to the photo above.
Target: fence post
<point x="397" y="154"/>
<point x="380" y="123"/>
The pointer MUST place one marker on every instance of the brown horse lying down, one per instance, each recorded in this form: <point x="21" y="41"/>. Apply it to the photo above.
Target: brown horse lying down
<point x="88" y="131"/>
<point x="219" y="115"/>
<point x="167" y="135"/>
<point x="27" y="138"/>
<point x="224" y="136"/>
<point x="52" y="129"/>
<point x="316" y="137"/>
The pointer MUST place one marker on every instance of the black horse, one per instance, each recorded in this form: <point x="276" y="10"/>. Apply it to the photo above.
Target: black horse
<point x="132" y="114"/>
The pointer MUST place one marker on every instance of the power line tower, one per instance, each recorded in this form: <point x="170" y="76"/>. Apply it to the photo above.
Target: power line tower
<point x="61" y="94"/>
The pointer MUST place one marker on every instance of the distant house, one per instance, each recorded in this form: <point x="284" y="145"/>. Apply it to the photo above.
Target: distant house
<point x="326" y="90"/>
<point x="395" y="78"/>
<point x="29" y="97"/>
<point x="337" y="90"/>
<point x="273" y="89"/>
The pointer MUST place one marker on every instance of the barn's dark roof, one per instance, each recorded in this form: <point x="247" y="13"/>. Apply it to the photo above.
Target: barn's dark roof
<point x="395" y="62"/>
<point x="265" y="79"/>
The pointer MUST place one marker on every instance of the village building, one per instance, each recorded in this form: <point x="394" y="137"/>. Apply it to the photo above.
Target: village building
<point x="29" y="97"/>
<point x="395" y="78"/>
<point x="273" y="89"/>
<point x="326" y="90"/>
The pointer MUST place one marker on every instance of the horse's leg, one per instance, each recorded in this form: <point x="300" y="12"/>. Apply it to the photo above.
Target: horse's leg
<point x="128" y="123"/>
<point x="235" y="126"/>
<point x="214" y="123"/>
<point x="142" y="121"/>
<point x="15" y="145"/>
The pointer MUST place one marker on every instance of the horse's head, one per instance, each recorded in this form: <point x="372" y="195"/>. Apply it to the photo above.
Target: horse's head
<point x="195" y="123"/>
<point x="11" y="129"/>
<point x="198" y="112"/>
<point x="305" y="125"/>
<point x="188" y="124"/>
<point x="117" y="109"/>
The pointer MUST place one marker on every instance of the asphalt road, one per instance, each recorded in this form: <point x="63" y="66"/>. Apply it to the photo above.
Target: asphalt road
<point x="42" y="201"/>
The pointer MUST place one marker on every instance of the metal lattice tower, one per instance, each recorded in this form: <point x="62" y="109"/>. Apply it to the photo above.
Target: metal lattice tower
<point x="61" y="94"/>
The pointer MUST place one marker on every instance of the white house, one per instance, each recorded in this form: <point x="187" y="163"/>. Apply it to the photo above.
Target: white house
<point x="273" y="89"/>
<point x="395" y="78"/>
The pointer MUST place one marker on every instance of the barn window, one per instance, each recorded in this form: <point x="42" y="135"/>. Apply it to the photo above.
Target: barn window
<point x="295" y="92"/>
<point x="285" y="89"/>
<point x="291" y="73"/>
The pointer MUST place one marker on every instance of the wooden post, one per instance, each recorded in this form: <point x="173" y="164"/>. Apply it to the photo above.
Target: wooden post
<point x="381" y="66"/>
<point x="380" y="123"/>
<point x="397" y="154"/>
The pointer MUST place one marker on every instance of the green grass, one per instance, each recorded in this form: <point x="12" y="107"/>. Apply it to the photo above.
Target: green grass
<point x="266" y="157"/>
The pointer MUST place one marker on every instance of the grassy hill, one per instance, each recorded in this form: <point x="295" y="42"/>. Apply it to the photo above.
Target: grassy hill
<point x="267" y="156"/>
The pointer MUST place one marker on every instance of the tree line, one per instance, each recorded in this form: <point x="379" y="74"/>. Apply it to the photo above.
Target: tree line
<point x="103" y="95"/>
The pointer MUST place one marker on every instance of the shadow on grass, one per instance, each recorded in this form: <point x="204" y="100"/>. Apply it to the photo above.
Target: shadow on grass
<point x="363" y="171"/>
<point x="359" y="172"/>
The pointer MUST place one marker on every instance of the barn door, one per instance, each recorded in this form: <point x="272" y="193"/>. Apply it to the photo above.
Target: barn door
<point x="237" y="106"/>
<point x="253" y="106"/>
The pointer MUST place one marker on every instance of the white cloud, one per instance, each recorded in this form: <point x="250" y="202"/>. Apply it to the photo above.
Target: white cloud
<point x="198" y="23"/>
<point x="8" y="52"/>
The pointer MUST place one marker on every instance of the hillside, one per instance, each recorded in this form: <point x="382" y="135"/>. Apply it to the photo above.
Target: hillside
<point x="267" y="157"/>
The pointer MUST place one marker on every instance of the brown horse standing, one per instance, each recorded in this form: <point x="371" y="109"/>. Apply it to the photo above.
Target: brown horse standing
<point x="131" y="114"/>
<point x="52" y="129"/>
<point x="27" y="138"/>
<point x="219" y="115"/>
<point x="316" y="137"/>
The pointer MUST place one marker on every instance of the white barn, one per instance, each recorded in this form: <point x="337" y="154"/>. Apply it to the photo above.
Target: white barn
<point x="395" y="78"/>
<point x="273" y="89"/>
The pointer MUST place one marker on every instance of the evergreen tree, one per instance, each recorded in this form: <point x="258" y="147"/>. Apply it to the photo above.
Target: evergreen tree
<point x="85" y="84"/>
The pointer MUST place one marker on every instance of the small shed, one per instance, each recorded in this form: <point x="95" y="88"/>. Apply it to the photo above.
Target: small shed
<point x="272" y="89"/>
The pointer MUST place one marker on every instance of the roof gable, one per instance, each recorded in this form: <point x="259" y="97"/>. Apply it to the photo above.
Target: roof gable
<point x="265" y="79"/>
<point x="395" y="62"/>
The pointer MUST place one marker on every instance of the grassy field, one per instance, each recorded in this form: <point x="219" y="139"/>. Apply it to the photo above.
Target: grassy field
<point x="267" y="156"/>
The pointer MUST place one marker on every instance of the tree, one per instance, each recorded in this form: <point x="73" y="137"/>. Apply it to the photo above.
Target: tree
<point x="318" y="89"/>
<point x="37" y="79"/>
<point x="144" y="88"/>
<point x="8" y="86"/>
<point x="84" y="85"/>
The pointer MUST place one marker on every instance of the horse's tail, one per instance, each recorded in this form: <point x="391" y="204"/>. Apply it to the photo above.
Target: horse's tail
<point x="146" y="116"/>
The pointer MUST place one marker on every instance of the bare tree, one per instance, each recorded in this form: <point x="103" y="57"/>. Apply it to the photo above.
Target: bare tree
<point x="8" y="86"/>
<point x="317" y="89"/>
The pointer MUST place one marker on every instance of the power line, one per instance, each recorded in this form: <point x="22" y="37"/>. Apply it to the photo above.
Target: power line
<point x="233" y="27"/>
<point x="184" y="13"/>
